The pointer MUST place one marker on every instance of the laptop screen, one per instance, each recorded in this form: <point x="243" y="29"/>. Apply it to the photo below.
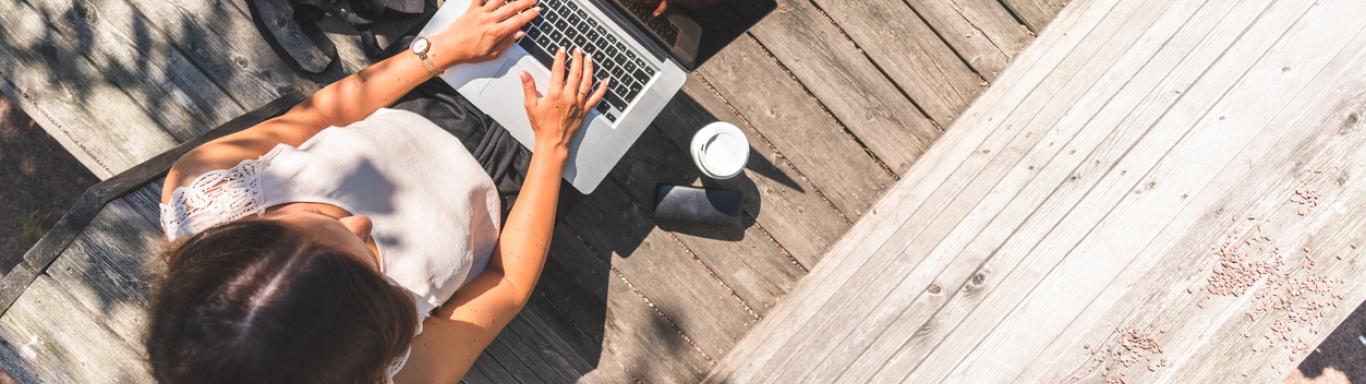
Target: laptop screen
<point x="660" y="29"/>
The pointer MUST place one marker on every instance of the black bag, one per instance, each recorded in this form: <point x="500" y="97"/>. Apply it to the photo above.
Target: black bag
<point x="275" y="18"/>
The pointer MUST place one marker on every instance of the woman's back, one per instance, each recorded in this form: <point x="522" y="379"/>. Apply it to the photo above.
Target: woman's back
<point x="434" y="209"/>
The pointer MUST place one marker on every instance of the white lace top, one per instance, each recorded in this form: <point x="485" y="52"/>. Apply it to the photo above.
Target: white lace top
<point x="435" y="211"/>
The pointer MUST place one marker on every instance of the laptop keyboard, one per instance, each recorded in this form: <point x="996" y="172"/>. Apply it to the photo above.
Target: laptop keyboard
<point x="563" y="23"/>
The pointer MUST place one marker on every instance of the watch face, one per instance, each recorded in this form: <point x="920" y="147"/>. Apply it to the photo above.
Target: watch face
<point x="420" y="45"/>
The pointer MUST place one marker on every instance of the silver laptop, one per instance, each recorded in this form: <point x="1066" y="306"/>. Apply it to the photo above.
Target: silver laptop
<point x="646" y="58"/>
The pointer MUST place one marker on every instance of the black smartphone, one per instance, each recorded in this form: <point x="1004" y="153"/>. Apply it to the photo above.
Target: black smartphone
<point x="678" y="204"/>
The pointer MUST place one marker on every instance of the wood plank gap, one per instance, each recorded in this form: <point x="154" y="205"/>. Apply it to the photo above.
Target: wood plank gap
<point x="570" y="230"/>
<point x="956" y="52"/>
<point x="887" y="264"/>
<point x="1015" y="14"/>
<point x="748" y="308"/>
<point x="664" y="317"/>
<point x="157" y="98"/>
<point x="762" y="343"/>
<point x="762" y="137"/>
<point x="991" y="38"/>
<point x="954" y="275"/>
<point x="705" y="268"/>
<point x="919" y="108"/>
<point x="1250" y="150"/>
<point x="844" y="128"/>
<point x="40" y="115"/>
<point x="174" y="46"/>
<point x="1071" y="246"/>
<point x="769" y="236"/>
<point x="1075" y="170"/>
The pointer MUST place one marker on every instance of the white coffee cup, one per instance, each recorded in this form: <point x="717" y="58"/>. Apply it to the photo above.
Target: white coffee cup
<point x="720" y="150"/>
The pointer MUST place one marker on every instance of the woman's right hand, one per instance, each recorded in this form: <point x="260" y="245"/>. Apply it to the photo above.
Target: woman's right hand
<point x="558" y="115"/>
<point x="484" y="31"/>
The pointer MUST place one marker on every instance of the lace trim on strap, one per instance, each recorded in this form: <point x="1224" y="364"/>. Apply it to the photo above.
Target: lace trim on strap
<point x="214" y="198"/>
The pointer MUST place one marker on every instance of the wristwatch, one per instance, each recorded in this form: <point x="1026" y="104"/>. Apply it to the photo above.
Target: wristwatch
<point x="421" y="46"/>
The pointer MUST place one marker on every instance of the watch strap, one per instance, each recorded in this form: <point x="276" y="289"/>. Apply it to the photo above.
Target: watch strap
<point x="430" y="67"/>
<point x="423" y="56"/>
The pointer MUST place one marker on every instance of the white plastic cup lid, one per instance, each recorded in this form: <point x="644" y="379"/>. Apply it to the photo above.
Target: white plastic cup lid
<point x="720" y="150"/>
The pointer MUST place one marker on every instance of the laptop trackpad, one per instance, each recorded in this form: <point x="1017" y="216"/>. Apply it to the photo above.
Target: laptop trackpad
<point x="470" y="79"/>
<point x="503" y="97"/>
<point x="512" y="72"/>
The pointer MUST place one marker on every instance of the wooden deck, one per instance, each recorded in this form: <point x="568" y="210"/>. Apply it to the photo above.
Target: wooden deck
<point x="1156" y="191"/>
<point x="838" y="98"/>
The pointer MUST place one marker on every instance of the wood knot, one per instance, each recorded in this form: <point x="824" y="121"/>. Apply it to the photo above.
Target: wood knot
<point x="978" y="278"/>
<point x="81" y="12"/>
<point x="1349" y="123"/>
<point x="934" y="289"/>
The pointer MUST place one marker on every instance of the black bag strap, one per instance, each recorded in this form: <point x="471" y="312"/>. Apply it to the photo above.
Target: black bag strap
<point x="360" y="14"/>
<point x="306" y="14"/>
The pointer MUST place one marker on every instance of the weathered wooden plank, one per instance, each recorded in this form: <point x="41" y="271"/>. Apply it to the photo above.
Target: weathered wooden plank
<point x="873" y="229"/>
<point x="911" y="54"/>
<point x="555" y="339"/>
<point x="71" y="97"/>
<point x="1035" y="13"/>
<point x="11" y="368"/>
<point x="1093" y="135"/>
<point x="972" y="181"/>
<point x="140" y="61"/>
<point x="487" y="368"/>
<point x="678" y="284"/>
<point x="783" y="201"/>
<point x="636" y="341"/>
<point x="982" y="32"/>
<point x="78" y="348"/>
<point x="109" y="269"/>
<point x="87" y="207"/>
<point x="476" y="375"/>
<point x="551" y="324"/>
<point x="535" y="356"/>
<point x="222" y="40"/>
<point x="1172" y="293"/>
<point x="1204" y="149"/>
<point x="796" y="125"/>
<point x="835" y="71"/>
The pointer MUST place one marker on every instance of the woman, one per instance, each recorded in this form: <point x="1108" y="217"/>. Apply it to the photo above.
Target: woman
<point x="345" y="242"/>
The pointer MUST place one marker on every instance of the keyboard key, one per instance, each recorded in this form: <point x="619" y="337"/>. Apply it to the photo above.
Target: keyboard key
<point x="563" y="24"/>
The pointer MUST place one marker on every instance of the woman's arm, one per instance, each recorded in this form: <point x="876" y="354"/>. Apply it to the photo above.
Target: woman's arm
<point x="482" y="33"/>
<point x="453" y="338"/>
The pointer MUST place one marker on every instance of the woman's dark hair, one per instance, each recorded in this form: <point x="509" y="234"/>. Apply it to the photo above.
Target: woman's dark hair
<point x="255" y="301"/>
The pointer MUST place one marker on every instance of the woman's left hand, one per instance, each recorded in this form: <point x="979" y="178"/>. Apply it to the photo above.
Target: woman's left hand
<point x="570" y="96"/>
<point x="486" y="29"/>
